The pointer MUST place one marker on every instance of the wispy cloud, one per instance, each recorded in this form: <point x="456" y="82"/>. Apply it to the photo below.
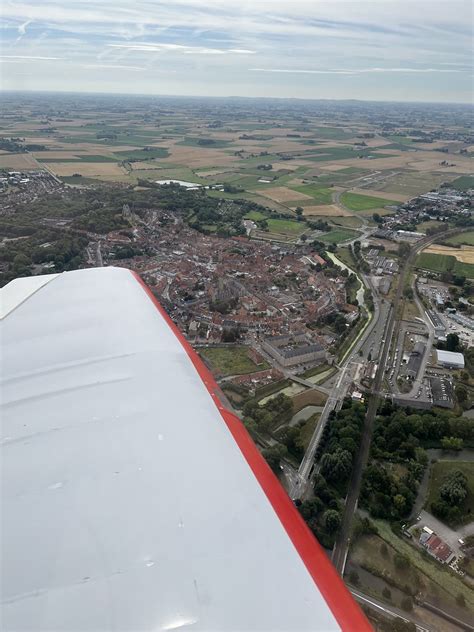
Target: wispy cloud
<point x="113" y="67"/>
<point x="347" y="71"/>
<point x="206" y="46"/>
<point x="30" y="57"/>
<point x="147" y="47"/>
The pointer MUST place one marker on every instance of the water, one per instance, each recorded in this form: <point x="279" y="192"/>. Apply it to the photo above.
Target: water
<point x="340" y="264"/>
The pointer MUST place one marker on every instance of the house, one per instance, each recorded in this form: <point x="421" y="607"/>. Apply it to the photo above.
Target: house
<point x="436" y="547"/>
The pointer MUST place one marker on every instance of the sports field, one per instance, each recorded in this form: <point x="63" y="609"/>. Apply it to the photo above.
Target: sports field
<point x="286" y="226"/>
<point x="338" y="236"/>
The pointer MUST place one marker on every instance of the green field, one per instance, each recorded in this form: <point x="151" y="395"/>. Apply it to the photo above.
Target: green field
<point x="336" y="153"/>
<point x="204" y="143"/>
<point x="439" y="471"/>
<point x="79" y="159"/>
<point x="255" y="216"/>
<point x="463" y="183"/>
<point x="320" y="195"/>
<point x="142" y="154"/>
<point x="332" y="133"/>
<point x="464" y="269"/>
<point x="357" y="202"/>
<point x="338" y="235"/>
<point x="286" y="226"/>
<point x="437" y="263"/>
<point x="230" y="360"/>
<point x="462" y="238"/>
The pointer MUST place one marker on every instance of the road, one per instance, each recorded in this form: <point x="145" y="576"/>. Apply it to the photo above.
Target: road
<point x="341" y="546"/>
<point x="391" y="611"/>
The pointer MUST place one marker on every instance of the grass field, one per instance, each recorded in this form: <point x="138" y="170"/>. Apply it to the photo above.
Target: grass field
<point x="462" y="238"/>
<point x="338" y="235"/>
<point x="347" y="222"/>
<point x="464" y="269"/>
<point x="320" y="195"/>
<point x="439" y="471"/>
<point x="357" y="202"/>
<point x="141" y="154"/>
<point x="286" y="226"/>
<point x="255" y="216"/>
<point x="80" y="159"/>
<point x="437" y="263"/>
<point x="230" y="360"/>
<point x="204" y="143"/>
<point x="463" y="183"/>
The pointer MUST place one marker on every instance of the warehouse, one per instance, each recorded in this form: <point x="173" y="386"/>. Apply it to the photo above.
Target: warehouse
<point x="449" y="359"/>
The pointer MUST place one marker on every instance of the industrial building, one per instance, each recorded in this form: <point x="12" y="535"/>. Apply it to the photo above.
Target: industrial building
<point x="294" y="349"/>
<point x="450" y="359"/>
<point x="414" y="361"/>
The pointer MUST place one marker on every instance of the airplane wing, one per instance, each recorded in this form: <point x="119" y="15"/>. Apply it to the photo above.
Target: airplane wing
<point x="131" y="498"/>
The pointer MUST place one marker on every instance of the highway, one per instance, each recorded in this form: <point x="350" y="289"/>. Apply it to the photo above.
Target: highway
<point x="341" y="546"/>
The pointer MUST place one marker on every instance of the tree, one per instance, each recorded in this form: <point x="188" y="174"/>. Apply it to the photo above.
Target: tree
<point x="377" y="219"/>
<point x="452" y="443"/>
<point x="452" y="342"/>
<point x="461" y="393"/>
<point x="337" y="465"/>
<point x="332" y="520"/>
<point x="454" y="489"/>
<point x="299" y="213"/>
<point x="273" y="457"/>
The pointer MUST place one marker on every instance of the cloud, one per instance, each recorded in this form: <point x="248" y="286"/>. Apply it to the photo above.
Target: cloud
<point x="30" y="57"/>
<point x="347" y="71"/>
<point x="192" y="50"/>
<point x="208" y="43"/>
<point x="113" y="66"/>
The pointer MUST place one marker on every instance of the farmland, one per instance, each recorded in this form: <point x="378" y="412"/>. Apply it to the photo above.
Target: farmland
<point x="462" y="238"/>
<point x="435" y="262"/>
<point x="266" y="156"/>
<point x="357" y="202"/>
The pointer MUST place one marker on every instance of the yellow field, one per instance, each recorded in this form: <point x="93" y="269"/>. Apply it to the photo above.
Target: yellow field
<point x="86" y="168"/>
<point x="283" y="194"/>
<point x="18" y="162"/>
<point x="333" y="167"/>
<point x="198" y="157"/>
<point x="465" y="254"/>
<point x="329" y="210"/>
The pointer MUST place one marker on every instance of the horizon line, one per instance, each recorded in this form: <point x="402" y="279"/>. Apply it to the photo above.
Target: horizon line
<point x="202" y="96"/>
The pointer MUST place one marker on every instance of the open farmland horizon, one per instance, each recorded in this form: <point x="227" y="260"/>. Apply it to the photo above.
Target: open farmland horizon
<point x="332" y="159"/>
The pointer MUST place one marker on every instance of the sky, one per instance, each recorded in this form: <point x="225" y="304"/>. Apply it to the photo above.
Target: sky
<point x="383" y="50"/>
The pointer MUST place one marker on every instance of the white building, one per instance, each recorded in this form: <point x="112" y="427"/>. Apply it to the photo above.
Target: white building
<point x="450" y="359"/>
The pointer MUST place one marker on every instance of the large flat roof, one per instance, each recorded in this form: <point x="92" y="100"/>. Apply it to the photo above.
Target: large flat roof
<point x="450" y="357"/>
<point x="131" y="499"/>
